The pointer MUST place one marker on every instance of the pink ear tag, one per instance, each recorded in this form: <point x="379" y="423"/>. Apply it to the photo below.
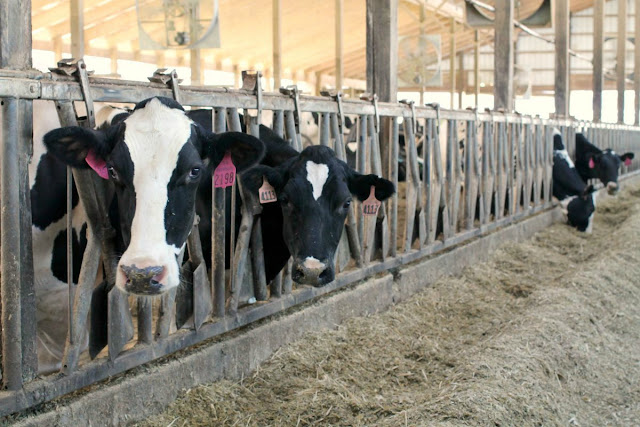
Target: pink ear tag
<point x="97" y="164"/>
<point x="371" y="205"/>
<point x="627" y="162"/>
<point x="267" y="192"/>
<point x="591" y="163"/>
<point x="225" y="174"/>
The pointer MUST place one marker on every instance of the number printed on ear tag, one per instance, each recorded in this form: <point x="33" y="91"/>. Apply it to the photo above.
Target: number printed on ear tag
<point x="371" y="205"/>
<point x="225" y="174"/>
<point x="267" y="193"/>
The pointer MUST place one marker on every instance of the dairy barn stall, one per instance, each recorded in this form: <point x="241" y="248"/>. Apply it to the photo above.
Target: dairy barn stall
<point x="285" y="212"/>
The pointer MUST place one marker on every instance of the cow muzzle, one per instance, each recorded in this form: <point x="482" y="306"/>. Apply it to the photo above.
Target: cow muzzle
<point x="144" y="280"/>
<point x="312" y="271"/>
<point x="612" y="188"/>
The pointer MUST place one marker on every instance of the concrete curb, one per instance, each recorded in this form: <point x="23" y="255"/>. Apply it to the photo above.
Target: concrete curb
<point x="239" y="355"/>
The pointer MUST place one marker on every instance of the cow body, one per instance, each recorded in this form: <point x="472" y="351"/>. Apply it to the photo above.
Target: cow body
<point x="577" y="199"/>
<point x="604" y="165"/>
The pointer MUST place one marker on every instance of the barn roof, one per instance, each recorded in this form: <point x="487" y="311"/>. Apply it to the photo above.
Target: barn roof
<point x="110" y="30"/>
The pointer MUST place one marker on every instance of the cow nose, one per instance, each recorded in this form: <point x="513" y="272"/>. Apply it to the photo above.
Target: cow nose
<point x="143" y="280"/>
<point x="612" y="187"/>
<point x="310" y="271"/>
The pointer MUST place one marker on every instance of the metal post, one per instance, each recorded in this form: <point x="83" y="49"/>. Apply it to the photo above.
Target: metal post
<point x="562" y="58"/>
<point x="452" y="62"/>
<point x="277" y="43"/>
<point x="19" y="360"/>
<point x="503" y="57"/>
<point x="636" y="65"/>
<point x="339" y="31"/>
<point x="620" y="57"/>
<point x="461" y="77"/>
<point x="598" y="41"/>
<point x="476" y="68"/>
<point x="77" y="28"/>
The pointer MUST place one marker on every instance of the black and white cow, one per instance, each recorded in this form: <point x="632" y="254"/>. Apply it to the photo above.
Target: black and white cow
<point x="314" y="190"/>
<point x="155" y="157"/>
<point x="577" y="200"/>
<point x="604" y="165"/>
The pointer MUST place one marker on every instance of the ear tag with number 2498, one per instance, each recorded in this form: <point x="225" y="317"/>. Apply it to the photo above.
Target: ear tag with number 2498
<point x="225" y="174"/>
<point x="371" y="205"/>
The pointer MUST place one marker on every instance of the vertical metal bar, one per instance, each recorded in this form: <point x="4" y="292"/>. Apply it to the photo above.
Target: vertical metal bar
<point x="10" y="248"/>
<point x="145" y="320"/>
<point x="70" y="251"/>
<point x="292" y="134"/>
<point x="503" y="58"/>
<point x="278" y="123"/>
<point x="393" y="168"/>
<point x="621" y="74"/>
<point x="324" y="129"/>
<point x="362" y="168"/>
<point x="218" y="243"/>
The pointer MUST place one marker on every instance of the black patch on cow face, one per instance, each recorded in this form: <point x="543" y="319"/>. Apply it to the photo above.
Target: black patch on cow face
<point x="51" y="182"/>
<point x="171" y="103"/>
<point x="312" y="224"/>
<point x="59" y="255"/>
<point x="182" y="190"/>
<point x="592" y="162"/>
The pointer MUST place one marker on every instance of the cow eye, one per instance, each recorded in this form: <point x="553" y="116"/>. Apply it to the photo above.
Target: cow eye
<point x="112" y="172"/>
<point x="346" y="204"/>
<point x="284" y="200"/>
<point x="194" y="173"/>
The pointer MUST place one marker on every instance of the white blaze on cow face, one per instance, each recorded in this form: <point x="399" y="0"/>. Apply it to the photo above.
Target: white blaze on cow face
<point x="317" y="174"/>
<point x="565" y="156"/>
<point x="154" y="136"/>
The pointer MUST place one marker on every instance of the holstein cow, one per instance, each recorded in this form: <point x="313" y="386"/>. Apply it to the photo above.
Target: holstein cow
<point x="578" y="200"/>
<point x="314" y="191"/>
<point x="156" y="157"/>
<point x="604" y="165"/>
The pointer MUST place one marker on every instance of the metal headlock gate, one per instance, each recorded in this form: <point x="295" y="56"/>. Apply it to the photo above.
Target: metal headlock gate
<point x="451" y="195"/>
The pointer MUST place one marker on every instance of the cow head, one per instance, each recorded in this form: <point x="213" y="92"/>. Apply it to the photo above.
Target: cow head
<point x="155" y="156"/>
<point x="579" y="210"/>
<point x="606" y="165"/>
<point x="315" y="190"/>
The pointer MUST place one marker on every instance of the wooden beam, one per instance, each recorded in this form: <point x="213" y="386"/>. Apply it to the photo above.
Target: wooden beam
<point x="339" y="32"/>
<point x="562" y="57"/>
<point x="382" y="45"/>
<point x="636" y="64"/>
<point x="94" y="15"/>
<point x="113" y="57"/>
<point x="598" y="42"/>
<point x="77" y="28"/>
<point x="57" y="48"/>
<point x="503" y="57"/>
<point x="277" y="43"/>
<point x="195" y="63"/>
<point x="620" y="57"/>
<point x="476" y="68"/>
<point x="452" y="62"/>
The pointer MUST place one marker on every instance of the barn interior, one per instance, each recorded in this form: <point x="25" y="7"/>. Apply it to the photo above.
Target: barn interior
<point x="445" y="47"/>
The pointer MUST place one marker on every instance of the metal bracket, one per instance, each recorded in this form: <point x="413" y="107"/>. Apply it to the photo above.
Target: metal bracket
<point x="78" y="68"/>
<point x="294" y="93"/>
<point x="251" y="81"/>
<point x="337" y="96"/>
<point x="169" y="78"/>
<point x="374" y="99"/>
<point x="413" y="114"/>
<point x="436" y="107"/>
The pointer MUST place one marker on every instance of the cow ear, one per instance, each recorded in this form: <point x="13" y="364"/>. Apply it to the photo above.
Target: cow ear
<point x="72" y="145"/>
<point x="252" y="179"/>
<point x="626" y="158"/>
<point x="246" y="150"/>
<point x="360" y="186"/>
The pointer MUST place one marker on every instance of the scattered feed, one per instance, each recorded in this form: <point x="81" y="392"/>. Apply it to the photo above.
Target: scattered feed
<point x="547" y="332"/>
